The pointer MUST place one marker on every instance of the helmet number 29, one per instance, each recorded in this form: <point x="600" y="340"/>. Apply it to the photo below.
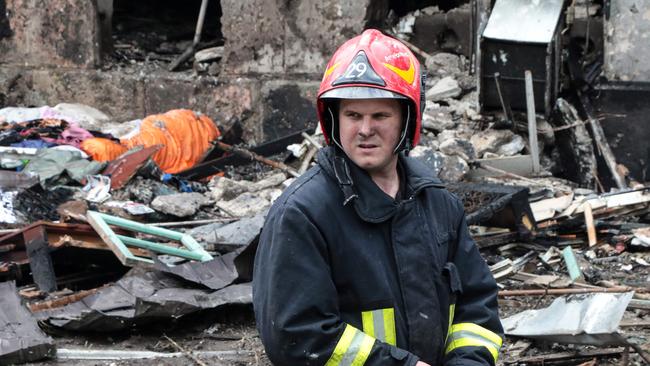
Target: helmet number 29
<point x="356" y="70"/>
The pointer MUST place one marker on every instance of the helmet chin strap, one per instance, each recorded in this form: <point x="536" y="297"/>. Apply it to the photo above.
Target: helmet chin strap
<point x="332" y="136"/>
<point x="406" y="128"/>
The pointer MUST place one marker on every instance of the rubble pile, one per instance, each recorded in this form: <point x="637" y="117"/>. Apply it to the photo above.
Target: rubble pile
<point x="89" y="223"/>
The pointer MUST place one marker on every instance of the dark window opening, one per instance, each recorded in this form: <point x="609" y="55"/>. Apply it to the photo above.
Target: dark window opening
<point x="5" y="29"/>
<point x="160" y="30"/>
<point x="432" y="25"/>
<point x="403" y="7"/>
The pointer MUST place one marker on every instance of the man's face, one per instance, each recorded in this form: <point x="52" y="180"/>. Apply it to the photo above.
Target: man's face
<point x="369" y="131"/>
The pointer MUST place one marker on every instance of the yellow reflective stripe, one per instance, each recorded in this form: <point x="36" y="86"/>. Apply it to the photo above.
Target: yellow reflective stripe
<point x="380" y="324"/>
<point x="470" y="334"/>
<point x="364" y="351"/>
<point x="368" y="326"/>
<point x="352" y="349"/>
<point x="478" y="330"/>
<point x="342" y="346"/>
<point x="466" y="342"/>
<point x="452" y="310"/>
<point x="389" y="326"/>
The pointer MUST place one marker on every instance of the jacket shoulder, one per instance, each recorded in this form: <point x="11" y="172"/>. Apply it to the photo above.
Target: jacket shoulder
<point x="309" y="192"/>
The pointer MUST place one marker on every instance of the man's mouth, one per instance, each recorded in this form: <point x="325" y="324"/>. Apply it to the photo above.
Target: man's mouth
<point x="367" y="146"/>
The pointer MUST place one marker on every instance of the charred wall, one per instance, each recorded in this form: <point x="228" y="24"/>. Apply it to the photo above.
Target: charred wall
<point x="114" y="55"/>
<point x="38" y="33"/>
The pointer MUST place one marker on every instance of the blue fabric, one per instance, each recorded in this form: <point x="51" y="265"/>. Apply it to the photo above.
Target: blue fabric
<point x="33" y="143"/>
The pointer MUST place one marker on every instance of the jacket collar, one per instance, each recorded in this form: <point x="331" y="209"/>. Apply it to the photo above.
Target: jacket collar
<point x="370" y="202"/>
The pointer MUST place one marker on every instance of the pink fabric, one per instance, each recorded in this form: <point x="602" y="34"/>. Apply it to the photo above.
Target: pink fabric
<point x="73" y="136"/>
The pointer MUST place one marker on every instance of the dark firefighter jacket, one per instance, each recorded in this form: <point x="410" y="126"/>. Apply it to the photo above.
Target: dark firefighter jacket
<point x="346" y="275"/>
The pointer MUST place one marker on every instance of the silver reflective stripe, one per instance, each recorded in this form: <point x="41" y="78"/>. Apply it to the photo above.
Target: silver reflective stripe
<point x="466" y="334"/>
<point x="352" y="351"/>
<point x="378" y="324"/>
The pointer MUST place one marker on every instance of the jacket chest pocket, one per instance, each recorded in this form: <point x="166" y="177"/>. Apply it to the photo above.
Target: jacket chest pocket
<point x="442" y="246"/>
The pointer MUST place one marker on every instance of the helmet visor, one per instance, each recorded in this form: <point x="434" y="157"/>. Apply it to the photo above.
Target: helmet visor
<point x="360" y="92"/>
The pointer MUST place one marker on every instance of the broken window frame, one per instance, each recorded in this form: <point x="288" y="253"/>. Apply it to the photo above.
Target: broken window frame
<point x="119" y="243"/>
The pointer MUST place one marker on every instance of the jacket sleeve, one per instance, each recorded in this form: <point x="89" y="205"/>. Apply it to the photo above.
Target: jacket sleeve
<point x="476" y="334"/>
<point x="295" y="301"/>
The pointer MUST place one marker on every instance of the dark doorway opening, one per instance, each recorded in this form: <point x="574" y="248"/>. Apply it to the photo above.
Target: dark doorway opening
<point x="160" y="30"/>
<point x="402" y="7"/>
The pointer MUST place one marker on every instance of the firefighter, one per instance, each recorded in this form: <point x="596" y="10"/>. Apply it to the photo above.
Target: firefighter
<point x="366" y="259"/>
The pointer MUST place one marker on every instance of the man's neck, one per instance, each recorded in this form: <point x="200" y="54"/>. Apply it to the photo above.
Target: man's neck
<point x="387" y="180"/>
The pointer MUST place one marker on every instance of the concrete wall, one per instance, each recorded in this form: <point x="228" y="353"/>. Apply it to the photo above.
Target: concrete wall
<point x="295" y="37"/>
<point x="55" y="33"/>
<point x="268" y="109"/>
<point x="275" y="52"/>
<point x="627" y="40"/>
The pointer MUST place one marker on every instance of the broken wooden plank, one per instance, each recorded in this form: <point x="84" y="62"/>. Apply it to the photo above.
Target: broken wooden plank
<point x="504" y="173"/>
<point x="306" y="162"/>
<point x="561" y="291"/>
<point x="532" y="122"/>
<point x="62" y="301"/>
<point x="212" y="165"/>
<point x="489" y="241"/>
<point x="519" y="348"/>
<point x="566" y="356"/>
<point x="124" y="167"/>
<point x="560" y="283"/>
<point x="636" y="323"/>
<point x="639" y="304"/>
<point x="253" y="156"/>
<point x="626" y="199"/>
<point x="521" y="165"/>
<point x="549" y="208"/>
<point x="30" y="293"/>
<point x="589" y="222"/>
<point x="502" y="269"/>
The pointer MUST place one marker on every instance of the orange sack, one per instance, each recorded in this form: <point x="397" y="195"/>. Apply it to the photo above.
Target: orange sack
<point x="185" y="137"/>
<point x="101" y="149"/>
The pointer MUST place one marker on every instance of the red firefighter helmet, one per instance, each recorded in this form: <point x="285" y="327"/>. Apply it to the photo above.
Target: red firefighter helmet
<point x="373" y="65"/>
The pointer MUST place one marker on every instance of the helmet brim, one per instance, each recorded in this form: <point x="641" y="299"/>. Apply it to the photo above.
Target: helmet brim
<point x="360" y="92"/>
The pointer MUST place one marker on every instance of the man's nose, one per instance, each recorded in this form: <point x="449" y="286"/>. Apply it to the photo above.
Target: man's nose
<point x="366" y="127"/>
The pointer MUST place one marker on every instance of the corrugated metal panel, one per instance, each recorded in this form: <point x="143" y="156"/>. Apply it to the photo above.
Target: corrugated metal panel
<point x="529" y="21"/>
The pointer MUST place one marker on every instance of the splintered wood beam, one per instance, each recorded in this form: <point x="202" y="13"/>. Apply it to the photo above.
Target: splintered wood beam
<point x="562" y="291"/>
<point x="589" y="222"/>
<point x="601" y="142"/>
<point x="566" y="356"/>
<point x="532" y="122"/>
<point x="62" y="301"/>
<point x="252" y="156"/>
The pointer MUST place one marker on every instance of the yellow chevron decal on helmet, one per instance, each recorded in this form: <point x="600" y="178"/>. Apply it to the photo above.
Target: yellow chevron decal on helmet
<point x="331" y="69"/>
<point x="408" y="75"/>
